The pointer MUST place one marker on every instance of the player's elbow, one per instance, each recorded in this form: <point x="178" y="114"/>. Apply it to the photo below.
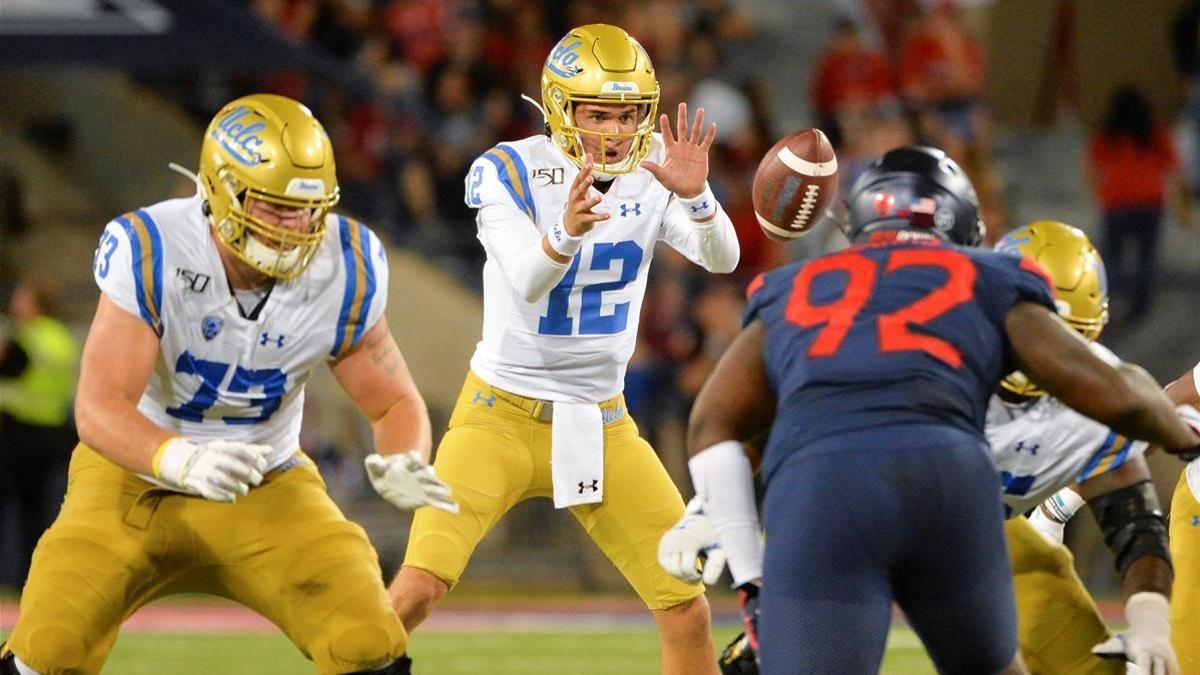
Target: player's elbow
<point x="88" y="421"/>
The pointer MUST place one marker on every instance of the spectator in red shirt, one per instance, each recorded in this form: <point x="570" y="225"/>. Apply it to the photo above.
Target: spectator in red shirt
<point x="849" y="75"/>
<point x="1131" y="165"/>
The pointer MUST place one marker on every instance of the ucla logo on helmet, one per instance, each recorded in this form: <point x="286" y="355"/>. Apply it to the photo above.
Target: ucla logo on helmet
<point x="239" y="139"/>
<point x="563" y="57"/>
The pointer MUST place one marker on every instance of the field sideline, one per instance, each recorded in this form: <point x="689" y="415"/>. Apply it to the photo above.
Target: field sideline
<point x="562" y="637"/>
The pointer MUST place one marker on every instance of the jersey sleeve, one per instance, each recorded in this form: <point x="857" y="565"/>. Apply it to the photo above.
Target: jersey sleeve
<point x="365" y="284"/>
<point x="764" y="291"/>
<point x="128" y="266"/>
<point x="499" y="177"/>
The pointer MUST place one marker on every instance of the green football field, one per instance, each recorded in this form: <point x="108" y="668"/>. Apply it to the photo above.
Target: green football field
<point x="585" y="652"/>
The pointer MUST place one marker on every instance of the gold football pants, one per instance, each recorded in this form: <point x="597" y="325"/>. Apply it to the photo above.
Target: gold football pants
<point x="283" y="550"/>
<point x="1057" y="622"/>
<point x="496" y="454"/>
<point x="1185" y="595"/>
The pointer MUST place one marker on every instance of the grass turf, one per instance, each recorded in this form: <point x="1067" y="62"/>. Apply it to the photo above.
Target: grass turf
<point x="601" y="651"/>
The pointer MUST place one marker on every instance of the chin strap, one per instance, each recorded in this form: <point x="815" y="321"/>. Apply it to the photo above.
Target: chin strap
<point x="536" y="105"/>
<point x="187" y="173"/>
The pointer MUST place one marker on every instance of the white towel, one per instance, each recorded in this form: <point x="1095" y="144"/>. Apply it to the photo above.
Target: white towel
<point x="577" y="454"/>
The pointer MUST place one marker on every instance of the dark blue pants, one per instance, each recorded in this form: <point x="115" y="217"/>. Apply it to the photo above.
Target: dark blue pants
<point x="853" y="527"/>
<point x="1136" y="230"/>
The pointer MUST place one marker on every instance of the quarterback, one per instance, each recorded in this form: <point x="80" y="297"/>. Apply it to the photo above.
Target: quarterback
<point x="569" y="222"/>
<point x="214" y="310"/>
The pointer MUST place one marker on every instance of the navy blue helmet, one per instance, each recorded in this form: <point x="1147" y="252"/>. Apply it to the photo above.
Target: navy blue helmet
<point x="915" y="188"/>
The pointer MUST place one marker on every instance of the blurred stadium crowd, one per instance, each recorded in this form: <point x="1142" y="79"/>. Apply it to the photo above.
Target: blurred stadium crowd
<point x="441" y="82"/>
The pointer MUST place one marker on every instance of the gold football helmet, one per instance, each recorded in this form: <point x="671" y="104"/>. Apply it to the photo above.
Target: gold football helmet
<point x="1076" y="269"/>
<point x="269" y="148"/>
<point x="599" y="63"/>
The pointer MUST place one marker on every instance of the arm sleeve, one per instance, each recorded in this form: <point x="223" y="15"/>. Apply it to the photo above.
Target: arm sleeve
<point x="506" y="226"/>
<point x="712" y="245"/>
<point x="128" y="266"/>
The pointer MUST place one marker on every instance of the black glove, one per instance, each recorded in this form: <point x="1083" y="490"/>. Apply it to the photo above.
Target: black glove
<point x="739" y="658"/>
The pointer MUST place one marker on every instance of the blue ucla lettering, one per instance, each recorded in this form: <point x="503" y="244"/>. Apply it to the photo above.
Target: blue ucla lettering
<point x="563" y="57"/>
<point x="242" y="141"/>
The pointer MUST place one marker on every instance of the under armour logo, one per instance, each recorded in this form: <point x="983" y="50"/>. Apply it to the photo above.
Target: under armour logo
<point x="594" y="487"/>
<point x="490" y="401"/>
<point x="266" y="338"/>
<point x="1195" y="521"/>
<point x="636" y="209"/>
<point x="702" y="206"/>
<point x="1031" y="448"/>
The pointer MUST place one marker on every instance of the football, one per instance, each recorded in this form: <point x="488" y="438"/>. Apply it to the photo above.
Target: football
<point x="795" y="181"/>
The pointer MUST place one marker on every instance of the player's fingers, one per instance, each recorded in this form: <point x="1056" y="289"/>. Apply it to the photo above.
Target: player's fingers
<point x="593" y="217"/>
<point x="447" y="505"/>
<point x="713" y="566"/>
<point x="653" y="168"/>
<point x="697" y="127"/>
<point x="681" y="125"/>
<point x="664" y="127"/>
<point x="709" y="137"/>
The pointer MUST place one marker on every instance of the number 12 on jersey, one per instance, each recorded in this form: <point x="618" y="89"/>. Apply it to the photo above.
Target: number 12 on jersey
<point x="557" y="319"/>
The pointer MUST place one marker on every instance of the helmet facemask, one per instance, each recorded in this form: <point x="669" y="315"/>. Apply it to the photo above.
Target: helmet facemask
<point x="279" y="252"/>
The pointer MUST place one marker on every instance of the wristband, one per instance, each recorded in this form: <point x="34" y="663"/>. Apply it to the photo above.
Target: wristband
<point x="702" y="207"/>
<point x="156" y="461"/>
<point x="1062" y="505"/>
<point x="561" y="241"/>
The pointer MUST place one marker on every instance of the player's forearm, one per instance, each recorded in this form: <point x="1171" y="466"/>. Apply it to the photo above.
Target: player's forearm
<point x="1149" y="573"/>
<point x="710" y="241"/>
<point x="524" y="255"/>
<point x="1146" y="413"/>
<point x="113" y="427"/>
<point x="405" y="426"/>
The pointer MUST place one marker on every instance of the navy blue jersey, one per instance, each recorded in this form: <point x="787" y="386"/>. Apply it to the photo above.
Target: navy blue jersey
<point x="896" y="332"/>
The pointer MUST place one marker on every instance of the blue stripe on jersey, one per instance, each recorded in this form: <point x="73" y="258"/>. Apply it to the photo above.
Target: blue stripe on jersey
<point x="507" y="172"/>
<point x="523" y="173"/>
<point x="1097" y="456"/>
<point x="368" y="276"/>
<point x="360" y="285"/>
<point x="1122" y="455"/>
<point x="146" y="265"/>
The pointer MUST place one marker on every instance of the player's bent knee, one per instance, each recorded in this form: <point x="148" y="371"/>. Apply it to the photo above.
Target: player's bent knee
<point x="54" y="648"/>
<point x="364" y="646"/>
<point x="688" y="618"/>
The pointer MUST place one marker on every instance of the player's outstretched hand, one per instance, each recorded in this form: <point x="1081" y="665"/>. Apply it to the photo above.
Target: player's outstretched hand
<point x="408" y="482"/>
<point x="689" y="551"/>
<point x="685" y="161"/>
<point x="1147" y="641"/>
<point x="579" y="218"/>
<point x="1191" y="417"/>
<point x="220" y="471"/>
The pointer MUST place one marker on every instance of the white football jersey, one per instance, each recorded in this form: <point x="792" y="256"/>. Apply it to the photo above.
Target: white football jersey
<point x="574" y="343"/>
<point x="219" y="375"/>
<point x="1042" y="445"/>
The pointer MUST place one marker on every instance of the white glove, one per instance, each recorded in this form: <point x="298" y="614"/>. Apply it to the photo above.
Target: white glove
<point x="1147" y="641"/>
<point x="218" y="470"/>
<point x="690" y="551"/>
<point x="408" y="482"/>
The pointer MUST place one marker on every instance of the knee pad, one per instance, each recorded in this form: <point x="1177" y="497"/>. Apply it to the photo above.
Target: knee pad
<point x="362" y="644"/>
<point x="55" y="647"/>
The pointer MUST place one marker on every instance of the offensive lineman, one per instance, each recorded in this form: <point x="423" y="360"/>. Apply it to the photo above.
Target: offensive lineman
<point x="214" y="311"/>
<point x="569" y="222"/>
